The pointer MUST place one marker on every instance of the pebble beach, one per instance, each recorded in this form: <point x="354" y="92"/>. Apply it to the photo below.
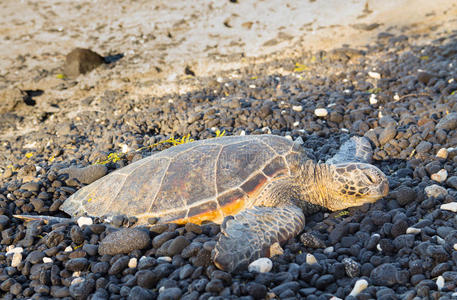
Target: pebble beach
<point x="399" y="90"/>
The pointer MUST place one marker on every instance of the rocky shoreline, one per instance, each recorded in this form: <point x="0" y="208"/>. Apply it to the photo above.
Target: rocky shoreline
<point x="399" y="93"/>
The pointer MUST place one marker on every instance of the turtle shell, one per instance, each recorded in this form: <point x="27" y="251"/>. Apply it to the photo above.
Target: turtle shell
<point x="194" y="182"/>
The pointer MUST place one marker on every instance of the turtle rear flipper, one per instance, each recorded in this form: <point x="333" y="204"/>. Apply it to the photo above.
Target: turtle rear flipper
<point x="356" y="149"/>
<point x="45" y="219"/>
<point x="248" y="235"/>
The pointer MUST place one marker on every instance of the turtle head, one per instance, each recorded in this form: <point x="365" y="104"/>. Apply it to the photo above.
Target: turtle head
<point x="354" y="184"/>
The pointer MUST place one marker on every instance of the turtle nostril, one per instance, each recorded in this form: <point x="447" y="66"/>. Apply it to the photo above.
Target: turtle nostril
<point x="385" y="189"/>
<point x="370" y="179"/>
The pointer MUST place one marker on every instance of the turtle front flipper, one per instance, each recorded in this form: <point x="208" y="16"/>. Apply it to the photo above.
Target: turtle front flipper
<point x="356" y="149"/>
<point x="248" y="235"/>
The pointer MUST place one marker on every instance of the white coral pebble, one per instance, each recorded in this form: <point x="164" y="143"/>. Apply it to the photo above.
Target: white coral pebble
<point x="321" y="112"/>
<point x="442" y="153"/>
<point x="435" y="191"/>
<point x="452" y="206"/>
<point x="84" y="221"/>
<point x="261" y="265"/>
<point x="359" y="286"/>
<point x="440" y="176"/>
<point x="440" y="282"/>
<point x="311" y="259"/>
<point x="413" y="230"/>
<point x="373" y="99"/>
<point x="374" y="75"/>
<point x="17" y="258"/>
<point x="13" y="249"/>
<point x="133" y="262"/>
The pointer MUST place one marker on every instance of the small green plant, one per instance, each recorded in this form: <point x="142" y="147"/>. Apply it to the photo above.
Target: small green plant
<point x="374" y="90"/>
<point x="342" y="213"/>
<point x="300" y="67"/>
<point x="219" y="133"/>
<point x="116" y="156"/>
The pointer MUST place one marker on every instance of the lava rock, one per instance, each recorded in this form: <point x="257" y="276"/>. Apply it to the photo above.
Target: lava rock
<point x="80" y="61"/>
<point x="384" y="275"/>
<point x="405" y="195"/>
<point x="351" y="267"/>
<point x="311" y="241"/>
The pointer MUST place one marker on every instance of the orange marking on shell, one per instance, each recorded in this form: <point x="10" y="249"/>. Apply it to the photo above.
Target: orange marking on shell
<point x="212" y="215"/>
<point x="216" y="215"/>
<point x="234" y="207"/>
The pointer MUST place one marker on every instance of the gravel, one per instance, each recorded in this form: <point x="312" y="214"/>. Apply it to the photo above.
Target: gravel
<point x="414" y="116"/>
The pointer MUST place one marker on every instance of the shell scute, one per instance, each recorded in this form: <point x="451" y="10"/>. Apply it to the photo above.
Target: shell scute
<point x="189" y="178"/>
<point x="254" y="184"/>
<point x="239" y="161"/>
<point x="276" y="167"/>
<point x="279" y="144"/>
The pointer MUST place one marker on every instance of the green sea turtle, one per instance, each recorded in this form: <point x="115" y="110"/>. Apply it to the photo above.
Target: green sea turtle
<point x="259" y="187"/>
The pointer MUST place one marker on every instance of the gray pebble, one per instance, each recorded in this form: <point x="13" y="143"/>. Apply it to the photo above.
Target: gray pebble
<point x="60" y="291"/>
<point x="405" y="195"/>
<point x="139" y="293"/>
<point x="177" y="245"/>
<point x="437" y="252"/>
<point x="147" y="278"/>
<point x="448" y="122"/>
<point x="256" y="290"/>
<point x="170" y="294"/>
<point x="100" y="267"/>
<point x="86" y="175"/>
<point x="404" y="241"/>
<point x="119" y="265"/>
<point x="424" y="77"/>
<point x="31" y="186"/>
<point x="124" y="241"/>
<point x="384" y="275"/>
<point x="77" y="264"/>
<point x="35" y="257"/>
<point x="76" y="235"/>
<point x="162" y="238"/>
<point x="387" y="134"/>
<point x="4" y="222"/>
<point x="82" y="289"/>
<point x="146" y="262"/>
<point x="423" y="147"/>
<point x="90" y="249"/>
<point x="452" y="182"/>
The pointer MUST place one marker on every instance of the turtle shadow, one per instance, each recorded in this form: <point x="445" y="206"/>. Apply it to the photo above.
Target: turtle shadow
<point x="28" y="99"/>
<point x="113" y="58"/>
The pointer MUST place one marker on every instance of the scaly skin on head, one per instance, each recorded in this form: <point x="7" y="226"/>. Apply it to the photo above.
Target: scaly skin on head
<point x="352" y="184"/>
<point x="331" y="186"/>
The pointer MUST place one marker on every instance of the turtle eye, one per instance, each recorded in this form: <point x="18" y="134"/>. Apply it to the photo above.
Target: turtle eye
<point x="371" y="179"/>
